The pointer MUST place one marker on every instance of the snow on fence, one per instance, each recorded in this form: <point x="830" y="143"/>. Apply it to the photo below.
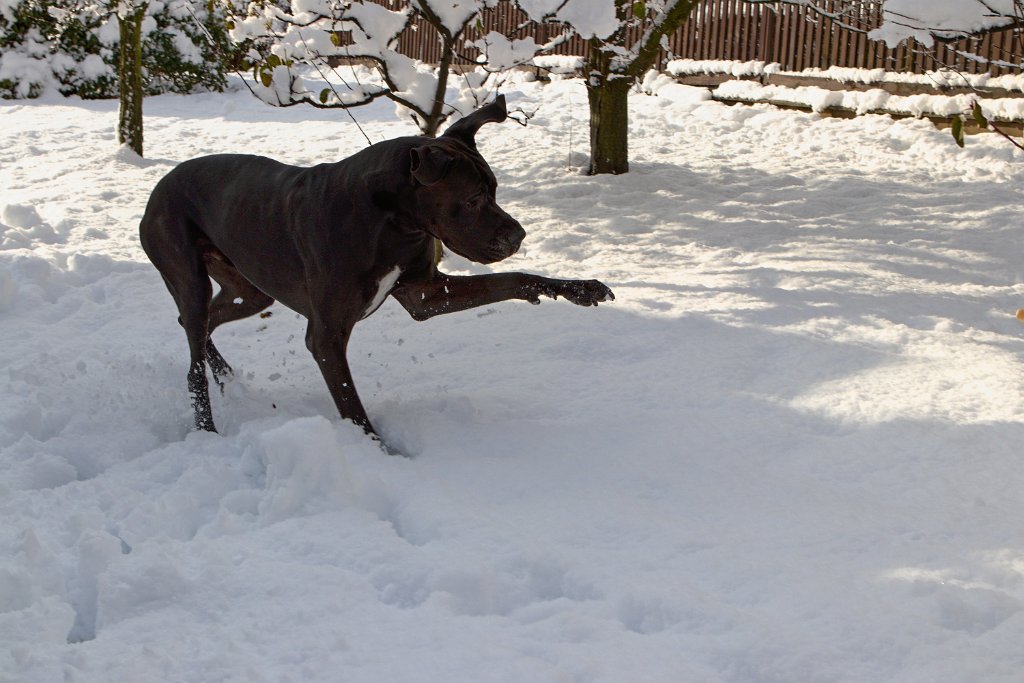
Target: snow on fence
<point x="791" y="35"/>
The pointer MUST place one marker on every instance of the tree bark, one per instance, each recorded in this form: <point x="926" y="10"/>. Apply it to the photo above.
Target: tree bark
<point x="129" y="80"/>
<point x="609" y="125"/>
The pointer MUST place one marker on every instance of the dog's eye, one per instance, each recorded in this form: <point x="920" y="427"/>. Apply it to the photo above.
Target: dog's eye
<point x="472" y="203"/>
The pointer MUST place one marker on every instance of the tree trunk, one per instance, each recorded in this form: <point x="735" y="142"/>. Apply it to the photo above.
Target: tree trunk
<point x="129" y="80"/>
<point x="436" y="114"/>
<point x="608" y="95"/>
<point x="609" y="125"/>
<point x="608" y="84"/>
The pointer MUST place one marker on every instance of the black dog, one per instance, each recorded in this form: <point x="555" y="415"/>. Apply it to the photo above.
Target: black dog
<point x="332" y="242"/>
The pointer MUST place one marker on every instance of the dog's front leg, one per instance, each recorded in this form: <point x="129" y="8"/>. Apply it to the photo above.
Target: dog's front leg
<point x="443" y="293"/>
<point x="329" y="345"/>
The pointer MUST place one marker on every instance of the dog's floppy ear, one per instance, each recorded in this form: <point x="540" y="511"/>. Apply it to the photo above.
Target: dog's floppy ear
<point x="465" y="128"/>
<point x="429" y="164"/>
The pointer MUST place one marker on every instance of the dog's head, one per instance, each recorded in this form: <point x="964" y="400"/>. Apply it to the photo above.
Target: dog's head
<point x="455" y="191"/>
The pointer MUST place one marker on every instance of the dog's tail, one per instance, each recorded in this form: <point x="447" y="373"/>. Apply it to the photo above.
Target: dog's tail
<point x="465" y="128"/>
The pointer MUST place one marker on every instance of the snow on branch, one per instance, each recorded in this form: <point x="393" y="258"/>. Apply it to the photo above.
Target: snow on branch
<point x="925" y="21"/>
<point x="295" y="53"/>
<point x="930" y="20"/>
<point x="630" y="33"/>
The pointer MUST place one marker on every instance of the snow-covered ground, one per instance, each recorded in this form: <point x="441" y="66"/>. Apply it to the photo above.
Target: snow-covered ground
<point x="791" y="450"/>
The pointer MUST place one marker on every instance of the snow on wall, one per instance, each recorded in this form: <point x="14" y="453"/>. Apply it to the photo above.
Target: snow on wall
<point x="820" y="99"/>
<point x="945" y="78"/>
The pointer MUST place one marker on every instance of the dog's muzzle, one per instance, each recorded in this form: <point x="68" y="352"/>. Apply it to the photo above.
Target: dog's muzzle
<point x="508" y="242"/>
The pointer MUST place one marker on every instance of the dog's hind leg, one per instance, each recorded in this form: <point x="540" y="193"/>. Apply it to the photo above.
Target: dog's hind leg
<point x="238" y="298"/>
<point x="195" y="319"/>
<point x="171" y="246"/>
<point x="192" y="293"/>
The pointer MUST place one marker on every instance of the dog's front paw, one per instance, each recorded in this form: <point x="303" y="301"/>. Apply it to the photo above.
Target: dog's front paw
<point x="586" y="292"/>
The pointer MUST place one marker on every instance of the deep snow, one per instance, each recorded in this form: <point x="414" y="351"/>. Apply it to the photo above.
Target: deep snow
<point x="789" y="451"/>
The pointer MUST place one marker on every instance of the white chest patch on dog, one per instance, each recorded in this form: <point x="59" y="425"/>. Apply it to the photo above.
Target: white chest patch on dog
<point x="384" y="287"/>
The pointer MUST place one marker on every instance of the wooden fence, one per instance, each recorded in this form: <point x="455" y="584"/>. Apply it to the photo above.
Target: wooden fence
<point x="792" y="35"/>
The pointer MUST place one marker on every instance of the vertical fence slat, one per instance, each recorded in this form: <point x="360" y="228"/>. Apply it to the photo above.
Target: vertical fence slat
<point x="704" y="33"/>
<point x="836" y="44"/>
<point x="782" y="45"/>
<point x="797" y="42"/>
<point x="796" y="38"/>
<point x="715" y="24"/>
<point x="732" y="30"/>
<point x="778" y="36"/>
<point x="814" y="41"/>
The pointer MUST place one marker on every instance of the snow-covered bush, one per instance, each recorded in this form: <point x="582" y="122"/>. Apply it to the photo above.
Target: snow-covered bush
<point x="71" y="46"/>
<point x="178" y="54"/>
<point x="28" y="61"/>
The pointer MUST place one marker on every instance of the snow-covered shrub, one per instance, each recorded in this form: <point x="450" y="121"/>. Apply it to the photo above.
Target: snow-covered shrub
<point x="176" y="54"/>
<point x="72" y="46"/>
<point x="26" y="64"/>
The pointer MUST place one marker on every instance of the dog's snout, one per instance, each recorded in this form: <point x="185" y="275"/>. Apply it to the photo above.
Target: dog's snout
<point x="512" y="237"/>
<point x="506" y="241"/>
<point x="516" y="235"/>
